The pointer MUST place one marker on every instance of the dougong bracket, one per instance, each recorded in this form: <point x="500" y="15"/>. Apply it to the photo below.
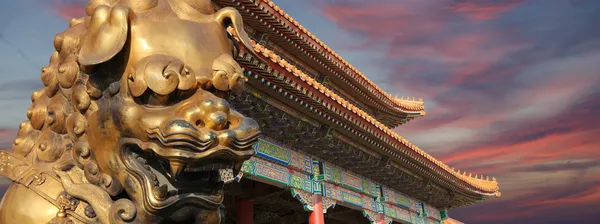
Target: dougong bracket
<point x="305" y="198"/>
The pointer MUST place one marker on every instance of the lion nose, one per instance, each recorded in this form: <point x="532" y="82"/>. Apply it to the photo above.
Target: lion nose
<point x="217" y="120"/>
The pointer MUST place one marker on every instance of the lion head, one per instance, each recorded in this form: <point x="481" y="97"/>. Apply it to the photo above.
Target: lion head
<point x="129" y="99"/>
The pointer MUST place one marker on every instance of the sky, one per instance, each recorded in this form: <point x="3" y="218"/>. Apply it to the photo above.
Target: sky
<point x="509" y="86"/>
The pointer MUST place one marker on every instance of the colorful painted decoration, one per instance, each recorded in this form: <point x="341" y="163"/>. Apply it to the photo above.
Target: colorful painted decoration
<point x="336" y="175"/>
<point x="278" y="165"/>
<point x="395" y="198"/>
<point x="288" y="158"/>
<point x="304" y="197"/>
<point x="270" y="151"/>
<point x="276" y="174"/>
<point x="396" y="213"/>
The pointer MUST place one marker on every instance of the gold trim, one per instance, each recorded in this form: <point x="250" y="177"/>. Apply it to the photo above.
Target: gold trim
<point x="46" y="185"/>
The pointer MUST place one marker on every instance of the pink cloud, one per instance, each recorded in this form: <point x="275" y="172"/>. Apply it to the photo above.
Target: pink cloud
<point x="555" y="147"/>
<point x="496" y="103"/>
<point x="379" y="21"/>
<point x="68" y="12"/>
<point x="499" y="102"/>
<point x="69" y="9"/>
<point x="6" y="137"/>
<point x="417" y="30"/>
<point x="484" y="10"/>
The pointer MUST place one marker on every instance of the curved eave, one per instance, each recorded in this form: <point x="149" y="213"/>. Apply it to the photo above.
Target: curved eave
<point x="267" y="14"/>
<point x="334" y="104"/>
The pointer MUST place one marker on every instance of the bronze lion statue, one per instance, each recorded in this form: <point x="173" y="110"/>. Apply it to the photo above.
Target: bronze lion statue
<point x="130" y="126"/>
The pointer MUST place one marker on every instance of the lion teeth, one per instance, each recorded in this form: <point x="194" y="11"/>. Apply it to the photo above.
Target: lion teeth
<point x="141" y="160"/>
<point x="154" y="179"/>
<point x="176" y="167"/>
<point x="161" y="192"/>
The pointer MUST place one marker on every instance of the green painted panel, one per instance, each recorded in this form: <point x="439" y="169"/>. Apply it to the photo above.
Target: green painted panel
<point x="352" y="181"/>
<point x="396" y="212"/>
<point x="300" y="183"/>
<point x="273" y="152"/>
<point x="271" y="173"/>
<point x="248" y="167"/>
<point x="332" y="174"/>
<point x="396" y="198"/>
<point x="276" y="174"/>
<point x="370" y="188"/>
<point x="352" y="199"/>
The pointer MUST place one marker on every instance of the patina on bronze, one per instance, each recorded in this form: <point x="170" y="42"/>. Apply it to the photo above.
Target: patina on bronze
<point x="128" y="128"/>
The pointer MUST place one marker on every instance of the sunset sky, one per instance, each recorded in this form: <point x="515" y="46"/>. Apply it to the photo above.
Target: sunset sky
<point x="510" y="86"/>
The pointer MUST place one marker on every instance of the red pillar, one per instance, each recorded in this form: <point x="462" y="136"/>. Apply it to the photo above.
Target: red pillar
<point x="379" y="218"/>
<point x="316" y="216"/>
<point x="244" y="212"/>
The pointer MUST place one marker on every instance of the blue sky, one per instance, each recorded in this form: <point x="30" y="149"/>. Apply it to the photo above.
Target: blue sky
<point x="510" y="86"/>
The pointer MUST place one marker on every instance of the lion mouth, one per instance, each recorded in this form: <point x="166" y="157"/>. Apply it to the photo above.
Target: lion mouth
<point x="167" y="180"/>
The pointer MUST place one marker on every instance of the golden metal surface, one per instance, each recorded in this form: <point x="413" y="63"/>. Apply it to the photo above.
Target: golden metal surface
<point x="128" y="127"/>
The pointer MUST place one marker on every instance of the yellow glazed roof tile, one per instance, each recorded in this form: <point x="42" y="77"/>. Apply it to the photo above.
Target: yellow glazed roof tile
<point x="415" y="105"/>
<point x="478" y="182"/>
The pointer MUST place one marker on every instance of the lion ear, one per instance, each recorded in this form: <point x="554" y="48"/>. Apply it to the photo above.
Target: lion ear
<point x="107" y="33"/>
<point x="229" y="14"/>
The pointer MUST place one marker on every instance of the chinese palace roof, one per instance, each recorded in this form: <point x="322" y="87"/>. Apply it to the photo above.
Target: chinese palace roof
<point x="268" y="17"/>
<point x="372" y="130"/>
<point x="489" y="186"/>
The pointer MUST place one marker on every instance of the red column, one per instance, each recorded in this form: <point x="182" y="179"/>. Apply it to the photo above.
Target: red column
<point x="316" y="216"/>
<point x="244" y="212"/>
<point x="379" y="218"/>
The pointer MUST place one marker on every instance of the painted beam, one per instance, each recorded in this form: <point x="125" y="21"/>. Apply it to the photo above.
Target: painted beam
<point x="277" y="165"/>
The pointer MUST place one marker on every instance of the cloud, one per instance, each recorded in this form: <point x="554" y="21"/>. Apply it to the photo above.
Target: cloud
<point x="572" y="129"/>
<point x="18" y="89"/>
<point x="4" y="183"/>
<point x="23" y="85"/>
<point x="6" y="137"/>
<point x="563" y="196"/>
<point x="69" y="9"/>
<point x="484" y="10"/>
<point x="510" y="88"/>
